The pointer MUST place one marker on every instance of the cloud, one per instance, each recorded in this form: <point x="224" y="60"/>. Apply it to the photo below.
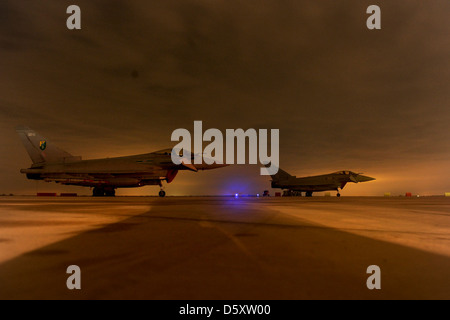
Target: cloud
<point x="341" y="95"/>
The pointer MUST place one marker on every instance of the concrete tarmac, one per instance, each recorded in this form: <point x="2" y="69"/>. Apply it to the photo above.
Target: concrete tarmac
<point x="224" y="248"/>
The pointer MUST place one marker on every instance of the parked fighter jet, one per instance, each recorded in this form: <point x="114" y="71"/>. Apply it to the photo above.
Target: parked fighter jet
<point x="105" y="175"/>
<point x="332" y="181"/>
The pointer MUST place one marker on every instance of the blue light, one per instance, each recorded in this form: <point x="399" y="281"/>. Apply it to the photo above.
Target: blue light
<point x="236" y="195"/>
<point x="257" y="195"/>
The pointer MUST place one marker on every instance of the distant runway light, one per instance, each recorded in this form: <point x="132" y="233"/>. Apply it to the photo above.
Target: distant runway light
<point x="236" y="195"/>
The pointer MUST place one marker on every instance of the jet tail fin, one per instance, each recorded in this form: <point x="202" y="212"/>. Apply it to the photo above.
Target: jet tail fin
<point x="281" y="175"/>
<point x="40" y="149"/>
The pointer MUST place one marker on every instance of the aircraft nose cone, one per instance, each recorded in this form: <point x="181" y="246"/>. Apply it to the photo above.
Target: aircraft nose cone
<point x="362" y="178"/>
<point x="205" y="166"/>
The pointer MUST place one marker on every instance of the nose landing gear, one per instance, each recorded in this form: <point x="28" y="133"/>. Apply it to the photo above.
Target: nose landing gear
<point x="161" y="193"/>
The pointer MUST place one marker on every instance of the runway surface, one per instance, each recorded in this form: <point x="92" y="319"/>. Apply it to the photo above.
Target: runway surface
<point x="224" y="248"/>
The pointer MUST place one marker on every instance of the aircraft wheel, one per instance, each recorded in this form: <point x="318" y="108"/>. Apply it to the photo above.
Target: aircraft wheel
<point x="98" y="192"/>
<point x="110" y="193"/>
<point x="338" y="195"/>
<point x="162" y="193"/>
<point x="308" y="194"/>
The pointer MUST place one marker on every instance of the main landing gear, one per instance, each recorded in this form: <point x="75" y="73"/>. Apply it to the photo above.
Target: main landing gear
<point x="338" y="194"/>
<point x="103" y="192"/>
<point x="308" y="194"/>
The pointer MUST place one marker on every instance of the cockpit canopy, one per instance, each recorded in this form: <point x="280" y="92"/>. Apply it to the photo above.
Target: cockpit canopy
<point x="345" y="172"/>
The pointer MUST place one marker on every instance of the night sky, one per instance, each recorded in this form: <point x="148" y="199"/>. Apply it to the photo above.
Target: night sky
<point x="343" y="97"/>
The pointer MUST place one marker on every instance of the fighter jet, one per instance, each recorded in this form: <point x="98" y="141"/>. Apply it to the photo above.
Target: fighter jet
<point x="332" y="181"/>
<point x="103" y="175"/>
